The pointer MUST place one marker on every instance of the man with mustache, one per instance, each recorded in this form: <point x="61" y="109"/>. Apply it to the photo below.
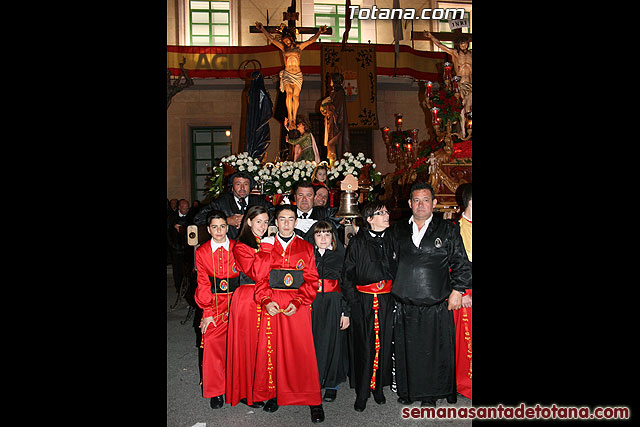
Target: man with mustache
<point x="433" y="274"/>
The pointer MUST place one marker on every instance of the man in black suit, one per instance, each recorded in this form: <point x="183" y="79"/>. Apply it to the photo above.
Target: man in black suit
<point x="234" y="204"/>
<point x="181" y="253"/>
<point x="308" y="214"/>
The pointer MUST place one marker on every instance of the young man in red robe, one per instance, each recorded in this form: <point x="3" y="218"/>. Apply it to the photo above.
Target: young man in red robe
<point x="286" y="367"/>
<point x="217" y="279"/>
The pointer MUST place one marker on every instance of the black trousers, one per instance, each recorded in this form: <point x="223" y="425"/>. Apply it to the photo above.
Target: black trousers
<point x="424" y="339"/>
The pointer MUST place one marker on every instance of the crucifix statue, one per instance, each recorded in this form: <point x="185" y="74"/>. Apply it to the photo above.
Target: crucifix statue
<point x="176" y="85"/>
<point x="462" y="62"/>
<point x="291" y="75"/>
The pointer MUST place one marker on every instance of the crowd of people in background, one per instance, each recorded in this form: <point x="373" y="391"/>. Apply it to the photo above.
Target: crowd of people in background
<point x="283" y="315"/>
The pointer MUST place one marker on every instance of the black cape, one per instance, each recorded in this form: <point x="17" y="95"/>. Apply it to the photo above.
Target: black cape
<point x="367" y="262"/>
<point x="331" y="343"/>
<point x="259" y="111"/>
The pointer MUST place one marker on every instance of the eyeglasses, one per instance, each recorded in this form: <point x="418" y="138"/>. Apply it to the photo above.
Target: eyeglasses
<point x="381" y="213"/>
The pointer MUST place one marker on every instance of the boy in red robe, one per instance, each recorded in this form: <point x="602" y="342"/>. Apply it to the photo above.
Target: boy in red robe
<point x="217" y="279"/>
<point x="286" y="366"/>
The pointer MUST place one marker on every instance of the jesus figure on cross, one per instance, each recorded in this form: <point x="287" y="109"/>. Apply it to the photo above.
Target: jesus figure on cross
<point x="291" y="76"/>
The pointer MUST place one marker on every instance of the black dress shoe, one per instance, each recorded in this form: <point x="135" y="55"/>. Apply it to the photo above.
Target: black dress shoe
<point x="317" y="414"/>
<point x="360" y="405"/>
<point x="217" y="402"/>
<point x="452" y="398"/>
<point x="330" y="395"/>
<point x="428" y="403"/>
<point x="271" y="405"/>
<point x="404" y="401"/>
<point x="253" y="405"/>
<point x="379" y="398"/>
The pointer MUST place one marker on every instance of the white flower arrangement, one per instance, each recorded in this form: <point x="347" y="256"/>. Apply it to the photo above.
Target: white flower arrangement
<point x="280" y="178"/>
<point x="283" y="176"/>
<point x="349" y="164"/>
<point x="243" y="163"/>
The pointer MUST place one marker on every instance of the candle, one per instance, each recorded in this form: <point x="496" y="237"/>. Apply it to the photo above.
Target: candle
<point x="429" y="88"/>
<point x="385" y="132"/>
<point x="469" y="120"/>
<point x="414" y="134"/>
<point x="434" y="114"/>
<point x="447" y="70"/>
<point x="399" y="120"/>
<point x="456" y="79"/>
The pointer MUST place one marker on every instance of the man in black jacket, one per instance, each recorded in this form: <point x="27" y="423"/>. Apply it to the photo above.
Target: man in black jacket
<point x="234" y="204"/>
<point x="308" y="214"/>
<point x="181" y="253"/>
<point x="433" y="274"/>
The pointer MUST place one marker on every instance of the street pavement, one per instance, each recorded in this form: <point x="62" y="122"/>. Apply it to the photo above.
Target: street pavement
<point x="187" y="408"/>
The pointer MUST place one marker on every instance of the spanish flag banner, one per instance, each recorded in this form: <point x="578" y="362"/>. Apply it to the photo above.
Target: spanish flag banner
<point x="229" y="62"/>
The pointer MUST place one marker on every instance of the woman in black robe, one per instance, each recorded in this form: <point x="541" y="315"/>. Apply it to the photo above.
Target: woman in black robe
<point x="367" y="274"/>
<point x="329" y="310"/>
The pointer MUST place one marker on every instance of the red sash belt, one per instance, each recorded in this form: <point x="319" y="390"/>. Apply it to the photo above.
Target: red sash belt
<point x="330" y="285"/>
<point x="381" y="287"/>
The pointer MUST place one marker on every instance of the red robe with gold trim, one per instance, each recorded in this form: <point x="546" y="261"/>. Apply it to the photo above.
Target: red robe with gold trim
<point x="286" y="365"/>
<point x="244" y="321"/>
<point x="219" y="267"/>
<point x="462" y="320"/>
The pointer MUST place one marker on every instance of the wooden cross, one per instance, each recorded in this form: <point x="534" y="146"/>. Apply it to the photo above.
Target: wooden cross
<point x="443" y="37"/>
<point x="291" y="16"/>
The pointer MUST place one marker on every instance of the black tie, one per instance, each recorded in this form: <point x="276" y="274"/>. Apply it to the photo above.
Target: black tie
<point x="243" y="205"/>
<point x="304" y="215"/>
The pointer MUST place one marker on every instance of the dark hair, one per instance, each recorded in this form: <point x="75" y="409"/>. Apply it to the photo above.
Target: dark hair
<point x="281" y="208"/>
<point x="317" y="187"/>
<point x="215" y="214"/>
<point x="302" y="184"/>
<point x="466" y="195"/>
<point x="245" y="235"/>
<point x="369" y="209"/>
<point x="244" y="175"/>
<point x="419" y="185"/>
<point x="459" y="40"/>
<point x="315" y="171"/>
<point x="337" y="79"/>
<point x="287" y="32"/>
<point x="302" y="119"/>
<point x="322" y="227"/>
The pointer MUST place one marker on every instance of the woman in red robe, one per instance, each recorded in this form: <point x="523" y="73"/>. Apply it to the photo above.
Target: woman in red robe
<point x="217" y="279"/>
<point x="286" y="367"/>
<point x="244" y="320"/>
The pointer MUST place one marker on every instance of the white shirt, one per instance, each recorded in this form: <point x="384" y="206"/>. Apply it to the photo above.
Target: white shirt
<point x="215" y="246"/>
<point x="304" y="224"/>
<point x="237" y="199"/>
<point x="282" y="242"/>
<point x="419" y="234"/>
<point x="323" y="250"/>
